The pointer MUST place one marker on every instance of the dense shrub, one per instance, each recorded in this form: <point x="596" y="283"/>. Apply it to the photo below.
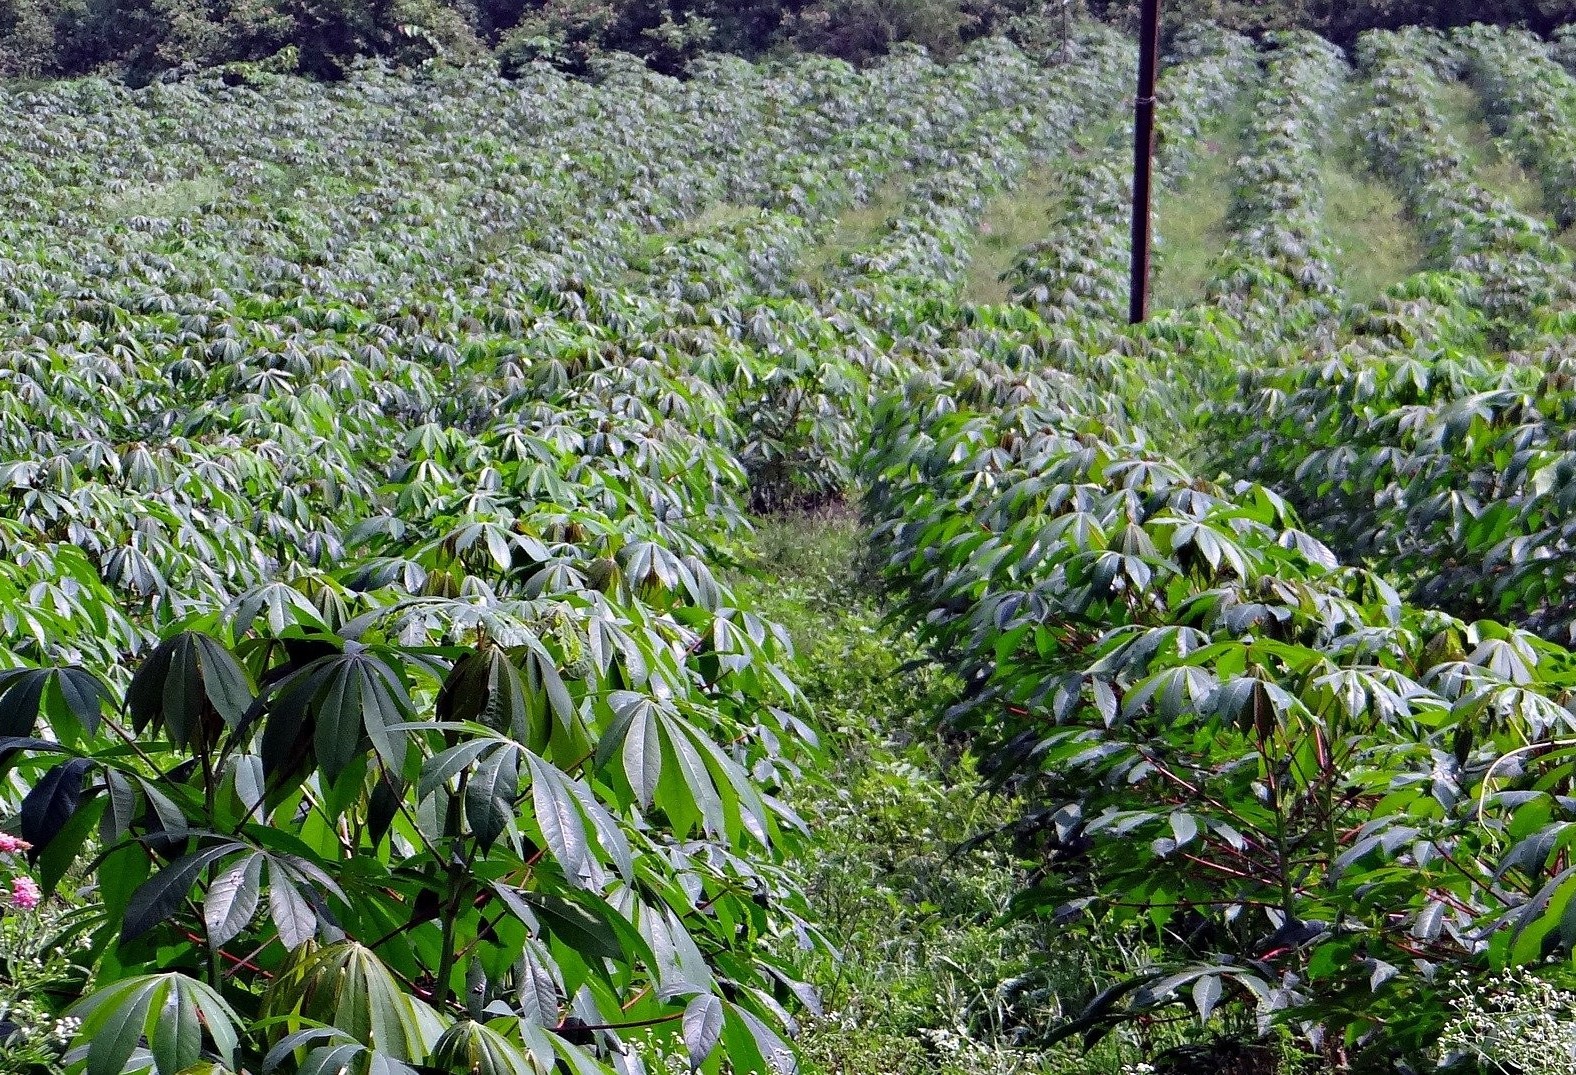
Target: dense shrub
<point x="145" y="37"/>
<point x="41" y="37"/>
<point x="1343" y="21"/>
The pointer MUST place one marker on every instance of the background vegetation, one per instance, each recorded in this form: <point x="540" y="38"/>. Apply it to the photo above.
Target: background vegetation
<point x="145" y="38"/>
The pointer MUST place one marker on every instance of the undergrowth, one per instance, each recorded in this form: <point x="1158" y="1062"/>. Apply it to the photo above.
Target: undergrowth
<point x="903" y="875"/>
<point x="1191" y="221"/>
<point x="1497" y="170"/>
<point x="1376" y="246"/>
<point x="1012" y="221"/>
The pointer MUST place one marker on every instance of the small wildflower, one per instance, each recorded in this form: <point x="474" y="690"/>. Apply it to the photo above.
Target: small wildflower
<point x="1513" y="1022"/>
<point x="25" y="893"/>
<point x="11" y="845"/>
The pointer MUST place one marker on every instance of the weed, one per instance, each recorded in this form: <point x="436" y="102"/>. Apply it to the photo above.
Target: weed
<point x="1191" y="226"/>
<point x="1376" y="246"/>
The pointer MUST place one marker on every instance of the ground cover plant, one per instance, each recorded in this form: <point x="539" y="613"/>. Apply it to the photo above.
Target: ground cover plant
<point x="556" y="575"/>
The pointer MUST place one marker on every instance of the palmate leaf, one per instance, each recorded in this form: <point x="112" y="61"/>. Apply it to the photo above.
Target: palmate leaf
<point x="341" y="1055"/>
<point x="685" y="790"/>
<point x="363" y="695"/>
<point x="183" y="681"/>
<point x="348" y="700"/>
<point x="634" y="735"/>
<point x="171" y="1012"/>
<point x="479" y="1049"/>
<point x="26" y="692"/>
<point x="279" y="604"/>
<point x="484" y="686"/>
<point x="52" y="802"/>
<point x="753" y="1045"/>
<point x="563" y="808"/>
<point x="160" y="895"/>
<point x="295" y="890"/>
<point x="680" y="967"/>
<point x="346" y="986"/>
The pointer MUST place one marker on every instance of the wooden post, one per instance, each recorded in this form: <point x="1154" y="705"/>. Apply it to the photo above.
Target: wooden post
<point x="1144" y="160"/>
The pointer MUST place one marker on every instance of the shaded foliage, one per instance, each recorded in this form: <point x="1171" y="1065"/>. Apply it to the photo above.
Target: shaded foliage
<point x="1343" y="22"/>
<point x="321" y="37"/>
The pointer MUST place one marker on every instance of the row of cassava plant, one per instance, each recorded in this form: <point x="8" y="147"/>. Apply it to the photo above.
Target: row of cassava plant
<point x="1309" y="790"/>
<point x="1280" y="255"/>
<point x="367" y="678"/>
<point x="1406" y="442"/>
<point x="1530" y="100"/>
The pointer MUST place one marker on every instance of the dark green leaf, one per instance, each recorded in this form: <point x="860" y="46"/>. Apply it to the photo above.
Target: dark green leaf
<point x="162" y="894"/>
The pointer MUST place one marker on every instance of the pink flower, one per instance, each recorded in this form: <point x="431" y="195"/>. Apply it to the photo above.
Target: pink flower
<point x="25" y="893"/>
<point x="10" y="845"/>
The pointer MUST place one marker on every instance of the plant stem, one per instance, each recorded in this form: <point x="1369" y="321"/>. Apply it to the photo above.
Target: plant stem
<point x="457" y="870"/>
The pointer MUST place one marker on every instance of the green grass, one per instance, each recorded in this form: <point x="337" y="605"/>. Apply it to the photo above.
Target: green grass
<point x="1495" y="169"/>
<point x="930" y="979"/>
<point x="1017" y="219"/>
<point x="855" y="228"/>
<point x="650" y="246"/>
<point x="1012" y="221"/>
<point x="169" y="201"/>
<point x="1190" y="224"/>
<point x="1377" y="245"/>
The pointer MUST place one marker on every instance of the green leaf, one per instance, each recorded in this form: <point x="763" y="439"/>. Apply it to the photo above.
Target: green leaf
<point x="485" y="687"/>
<point x="477" y="1049"/>
<point x="346" y="986"/>
<point x="52" y="802"/>
<point x="352" y="697"/>
<point x="680" y="966"/>
<point x="569" y="921"/>
<point x="122" y="808"/>
<point x="562" y="827"/>
<point x="117" y="1035"/>
<point x="160" y="895"/>
<point x="183" y="679"/>
<point x="537" y="989"/>
<point x="292" y="914"/>
<point x="1206" y="994"/>
<point x="341" y="717"/>
<point x="703" y="1020"/>
<point x="439" y="769"/>
<point x="21" y="693"/>
<point x="57" y="859"/>
<point x="774" y="1051"/>
<point x="489" y="795"/>
<point x="224" y="681"/>
<point x="24" y="692"/>
<point x="642" y="754"/>
<point x="176" y="1041"/>
<point x="168" y="1011"/>
<point x="232" y="900"/>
